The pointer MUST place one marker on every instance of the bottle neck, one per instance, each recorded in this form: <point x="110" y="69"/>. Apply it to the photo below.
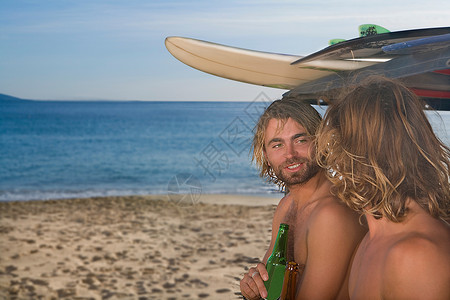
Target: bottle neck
<point x="281" y="241"/>
<point x="292" y="266"/>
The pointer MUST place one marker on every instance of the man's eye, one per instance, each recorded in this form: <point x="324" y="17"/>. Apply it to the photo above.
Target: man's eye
<point x="276" y="145"/>
<point x="301" y="141"/>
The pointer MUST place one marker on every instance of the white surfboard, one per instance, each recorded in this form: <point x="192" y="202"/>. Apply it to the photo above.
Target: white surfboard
<point x="255" y="67"/>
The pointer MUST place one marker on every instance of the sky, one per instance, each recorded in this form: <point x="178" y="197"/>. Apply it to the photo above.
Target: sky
<point x="114" y="50"/>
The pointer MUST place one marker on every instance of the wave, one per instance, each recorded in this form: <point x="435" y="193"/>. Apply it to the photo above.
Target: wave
<point x="29" y="195"/>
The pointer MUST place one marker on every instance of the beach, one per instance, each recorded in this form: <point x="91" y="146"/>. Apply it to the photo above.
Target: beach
<point x="133" y="247"/>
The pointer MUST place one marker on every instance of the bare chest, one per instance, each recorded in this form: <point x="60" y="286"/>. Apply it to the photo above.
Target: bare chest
<point x="298" y="234"/>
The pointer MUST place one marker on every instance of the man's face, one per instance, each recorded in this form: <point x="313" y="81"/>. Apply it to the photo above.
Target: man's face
<point x="288" y="151"/>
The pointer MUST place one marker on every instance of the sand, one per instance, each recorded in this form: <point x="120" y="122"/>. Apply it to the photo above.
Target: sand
<point x="135" y="247"/>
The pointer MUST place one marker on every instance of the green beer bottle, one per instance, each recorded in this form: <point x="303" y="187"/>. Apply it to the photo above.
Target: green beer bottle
<point x="276" y="264"/>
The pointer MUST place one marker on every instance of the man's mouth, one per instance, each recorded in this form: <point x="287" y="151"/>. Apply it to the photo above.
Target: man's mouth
<point x="294" y="167"/>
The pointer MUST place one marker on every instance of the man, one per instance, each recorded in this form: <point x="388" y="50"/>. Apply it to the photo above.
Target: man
<point x="388" y="165"/>
<point x="323" y="232"/>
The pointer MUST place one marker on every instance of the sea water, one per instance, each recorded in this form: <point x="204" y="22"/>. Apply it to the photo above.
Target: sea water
<point x="64" y="149"/>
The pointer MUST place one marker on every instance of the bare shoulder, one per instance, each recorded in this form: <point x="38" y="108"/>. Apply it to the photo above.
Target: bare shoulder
<point x="330" y="211"/>
<point x="283" y="206"/>
<point x="285" y="201"/>
<point x="416" y="266"/>
<point x="332" y="222"/>
<point x="431" y="244"/>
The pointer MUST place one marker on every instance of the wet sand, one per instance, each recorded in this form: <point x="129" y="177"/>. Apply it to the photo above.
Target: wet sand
<point x="135" y="247"/>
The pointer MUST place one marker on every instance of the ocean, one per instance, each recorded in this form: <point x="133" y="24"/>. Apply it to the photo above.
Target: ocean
<point x="67" y="149"/>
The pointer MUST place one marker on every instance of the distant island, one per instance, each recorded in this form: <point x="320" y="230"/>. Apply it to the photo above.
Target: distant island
<point x="7" y="98"/>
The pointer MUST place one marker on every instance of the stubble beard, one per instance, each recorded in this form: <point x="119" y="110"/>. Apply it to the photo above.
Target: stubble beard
<point x="308" y="170"/>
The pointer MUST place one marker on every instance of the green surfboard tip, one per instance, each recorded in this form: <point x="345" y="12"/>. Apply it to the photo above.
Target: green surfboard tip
<point x="371" y="29"/>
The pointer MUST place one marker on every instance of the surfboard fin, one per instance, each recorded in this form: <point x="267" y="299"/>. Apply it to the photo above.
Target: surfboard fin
<point x="371" y="29"/>
<point x="364" y="30"/>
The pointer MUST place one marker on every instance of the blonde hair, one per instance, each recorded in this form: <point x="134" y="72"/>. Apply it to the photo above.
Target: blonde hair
<point x="380" y="150"/>
<point x="299" y="111"/>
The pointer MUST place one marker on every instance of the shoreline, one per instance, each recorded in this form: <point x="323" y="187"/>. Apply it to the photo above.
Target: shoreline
<point x="203" y="196"/>
<point x="133" y="247"/>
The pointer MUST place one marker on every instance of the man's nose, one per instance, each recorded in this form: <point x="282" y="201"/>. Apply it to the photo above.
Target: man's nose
<point x="290" y="151"/>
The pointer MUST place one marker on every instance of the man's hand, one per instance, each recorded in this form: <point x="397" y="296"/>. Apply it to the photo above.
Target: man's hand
<point x="252" y="285"/>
